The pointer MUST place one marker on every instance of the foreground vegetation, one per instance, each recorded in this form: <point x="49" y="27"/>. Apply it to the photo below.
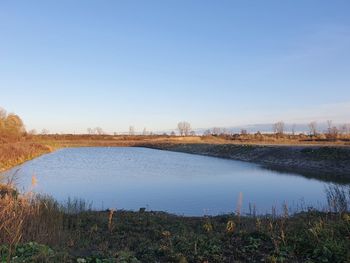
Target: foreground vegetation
<point x="38" y="229"/>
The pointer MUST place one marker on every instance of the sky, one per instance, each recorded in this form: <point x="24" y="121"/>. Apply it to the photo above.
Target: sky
<point x="69" y="65"/>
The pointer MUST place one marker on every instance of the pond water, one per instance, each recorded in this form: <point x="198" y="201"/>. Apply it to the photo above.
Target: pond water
<point x="186" y="184"/>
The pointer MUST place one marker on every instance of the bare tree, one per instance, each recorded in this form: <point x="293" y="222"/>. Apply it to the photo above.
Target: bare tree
<point x="99" y="131"/>
<point x="244" y="132"/>
<point x="334" y="132"/>
<point x="3" y="114"/>
<point x="32" y="132"/>
<point x="45" y="131"/>
<point x="293" y="129"/>
<point x="278" y="127"/>
<point x="343" y="129"/>
<point x="184" y="128"/>
<point x="131" y="130"/>
<point x="145" y="132"/>
<point x="313" y="128"/>
<point x="172" y="133"/>
<point x="329" y="126"/>
<point x="216" y="131"/>
<point x="207" y="132"/>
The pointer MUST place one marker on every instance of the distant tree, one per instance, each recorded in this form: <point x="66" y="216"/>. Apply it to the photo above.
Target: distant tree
<point x="99" y="131"/>
<point x="216" y="131"/>
<point x="90" y="131"/>
<point x="334" y="132"/>
<point x="258" y="135"/>
<point x="3" y="115"/>
<point x="293" y="129"/>
<point x="329" y="126"/>
<point x="144" y="132"/>
<point x="173" y="133"/>
<point x="343" y="129"/>
<point x="244" y="132"/>
<point x="32" y="132"/>
<point x="184" y="128"/>
<point x="45" y="131"/>
<point x="313" y="128"/>
<point x="278" y="127"/>
<point x="131" y="130"/>
<point x="193" y="133"/>
<point x="207" y="132"/>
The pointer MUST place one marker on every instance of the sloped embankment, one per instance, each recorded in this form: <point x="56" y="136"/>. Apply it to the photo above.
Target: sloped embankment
<point x="330" y="163"/>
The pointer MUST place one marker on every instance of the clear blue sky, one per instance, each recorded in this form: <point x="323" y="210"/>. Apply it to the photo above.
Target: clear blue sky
<point x="70" y="65"/>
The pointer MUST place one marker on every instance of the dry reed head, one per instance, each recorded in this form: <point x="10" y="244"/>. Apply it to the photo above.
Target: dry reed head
<point x="285" y="210"/>
<point x="110" y="219"/>
<point x="239" y="204"/>
<point x="230" y="227"/>
<point x="34" y="181"/>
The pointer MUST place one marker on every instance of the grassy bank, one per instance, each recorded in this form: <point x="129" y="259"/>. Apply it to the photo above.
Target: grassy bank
<point x="15" y="153"/>
<point x="38" y="229"/>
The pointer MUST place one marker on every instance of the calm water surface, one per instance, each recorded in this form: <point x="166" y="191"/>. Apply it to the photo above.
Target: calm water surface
<point x="130" y="178"/>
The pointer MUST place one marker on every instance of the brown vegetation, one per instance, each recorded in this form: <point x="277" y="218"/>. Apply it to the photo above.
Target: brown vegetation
<point x="15" y="144"/>
<point x="12" y="154"/>
<point x="78" y="234"/>
<point x="11" y="127"/>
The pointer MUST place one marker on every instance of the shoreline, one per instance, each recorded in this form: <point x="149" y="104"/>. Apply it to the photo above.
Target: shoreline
<point x="329" y="163"/>
<point x="324" y="162"/>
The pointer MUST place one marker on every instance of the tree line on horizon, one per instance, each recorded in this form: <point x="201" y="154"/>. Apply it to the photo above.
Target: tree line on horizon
<point x="183" y="127"/>
<point x="12" y="127"/>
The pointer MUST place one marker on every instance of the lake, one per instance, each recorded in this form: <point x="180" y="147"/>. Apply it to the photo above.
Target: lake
<point x="185" y="184"/>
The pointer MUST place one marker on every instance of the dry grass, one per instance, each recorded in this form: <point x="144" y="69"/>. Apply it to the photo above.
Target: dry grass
<point x="14" y="153"/>
<point x="68" y="140"/>
<point x="28" y="217"/>
<point x="72" y="228"/>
